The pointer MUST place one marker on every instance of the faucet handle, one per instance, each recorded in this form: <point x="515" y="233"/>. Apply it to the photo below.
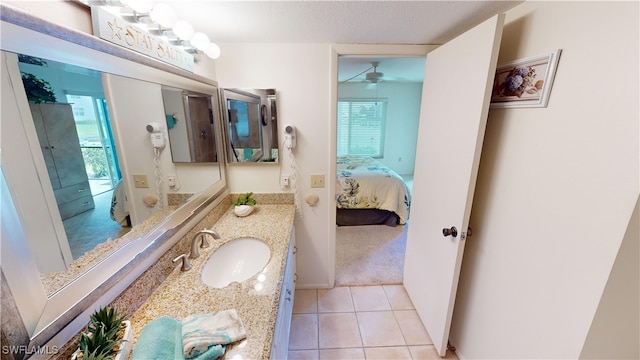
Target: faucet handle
<point x="205" y="242"/>
<point x="186" y="265"/>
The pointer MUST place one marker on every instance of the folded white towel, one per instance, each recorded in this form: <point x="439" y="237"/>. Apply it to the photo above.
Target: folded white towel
<point x="201" y="331"/>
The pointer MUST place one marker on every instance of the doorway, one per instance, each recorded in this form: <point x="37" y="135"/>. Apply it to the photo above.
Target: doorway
<point x="400" y="92"/>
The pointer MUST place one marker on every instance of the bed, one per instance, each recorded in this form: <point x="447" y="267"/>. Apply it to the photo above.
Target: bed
<point x="369" y="193"/>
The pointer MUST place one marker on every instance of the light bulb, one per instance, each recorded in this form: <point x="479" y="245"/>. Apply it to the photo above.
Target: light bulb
<point x="200" y="41"/>
<point x="212" y="51"/>
<point x="183" y="30"/>
<point x="164" y="15"/>
<point x="140" y="6"/>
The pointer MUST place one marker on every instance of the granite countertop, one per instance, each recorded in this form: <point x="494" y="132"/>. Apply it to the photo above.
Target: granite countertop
<point x="256" y="300"/>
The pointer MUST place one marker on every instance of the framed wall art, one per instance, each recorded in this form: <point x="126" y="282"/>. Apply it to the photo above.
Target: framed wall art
<point x="525" y="82"/>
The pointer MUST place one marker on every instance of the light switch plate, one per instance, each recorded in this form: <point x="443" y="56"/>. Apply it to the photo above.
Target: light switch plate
<point x="140" y="181"/>
<point x="317" y="181"/>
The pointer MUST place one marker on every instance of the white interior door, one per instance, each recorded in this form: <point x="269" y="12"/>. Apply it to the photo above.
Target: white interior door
<point x="455" y="102"/>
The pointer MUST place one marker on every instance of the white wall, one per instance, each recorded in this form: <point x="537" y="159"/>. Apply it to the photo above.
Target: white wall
<point x="300" y="73"/>
<point x="403" y="115"/>
<point x="130" y="115"/>
<point x="556" y="188"/>
<point x="178" y="134"/>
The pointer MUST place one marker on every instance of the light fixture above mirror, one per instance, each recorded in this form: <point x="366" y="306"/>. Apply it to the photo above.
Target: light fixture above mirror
<point x="160" y="19"/>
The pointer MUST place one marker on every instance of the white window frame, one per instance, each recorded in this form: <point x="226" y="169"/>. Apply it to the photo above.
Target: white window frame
<point x="346" y="149"/>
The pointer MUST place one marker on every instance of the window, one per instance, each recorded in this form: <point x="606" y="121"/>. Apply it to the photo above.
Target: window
<point x="361" y="127"/>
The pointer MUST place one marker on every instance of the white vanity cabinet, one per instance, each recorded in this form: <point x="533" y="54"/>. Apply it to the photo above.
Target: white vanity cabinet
<point x="280" y="342"/>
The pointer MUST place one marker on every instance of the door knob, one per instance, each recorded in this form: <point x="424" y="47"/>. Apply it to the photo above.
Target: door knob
<point x="453" y="231"/>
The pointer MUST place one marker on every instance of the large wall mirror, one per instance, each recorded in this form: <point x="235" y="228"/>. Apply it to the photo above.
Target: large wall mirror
<point x="65" y="156"/>
<point x="251" y="125"/>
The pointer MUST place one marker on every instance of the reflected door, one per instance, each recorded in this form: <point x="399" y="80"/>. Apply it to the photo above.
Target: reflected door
<point x="201" y="127"/>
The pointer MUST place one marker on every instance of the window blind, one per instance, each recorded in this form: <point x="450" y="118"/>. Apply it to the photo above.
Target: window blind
<point x="361" y="127"/>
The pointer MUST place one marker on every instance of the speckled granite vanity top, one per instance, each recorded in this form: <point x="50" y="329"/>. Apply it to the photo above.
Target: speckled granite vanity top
<point x="256" y="300"/>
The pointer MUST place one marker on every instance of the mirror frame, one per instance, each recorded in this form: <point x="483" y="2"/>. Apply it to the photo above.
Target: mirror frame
<point x="267" y="123"/>
<point x="26" y="34"/>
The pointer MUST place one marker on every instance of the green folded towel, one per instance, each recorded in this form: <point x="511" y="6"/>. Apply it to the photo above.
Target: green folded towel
<point x="204" y="336"/>
<point x="213" y="353"/>
<point x="160" y="339"/>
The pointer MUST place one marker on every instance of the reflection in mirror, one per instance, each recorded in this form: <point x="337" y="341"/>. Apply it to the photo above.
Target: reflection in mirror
<point x="190" y="122"/>
<point x="128" y="98"/>
<point x="74" y="133"/>
<point x="251" y="125"/>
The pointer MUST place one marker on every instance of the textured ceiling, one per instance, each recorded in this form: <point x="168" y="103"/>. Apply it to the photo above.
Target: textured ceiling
<point x="338" y="21"/>
<point x="346" y="22"/>
<point x="366" y="22"/>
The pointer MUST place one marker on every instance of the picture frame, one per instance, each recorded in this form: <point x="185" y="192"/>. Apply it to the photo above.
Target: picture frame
<point x="525" y="83"/>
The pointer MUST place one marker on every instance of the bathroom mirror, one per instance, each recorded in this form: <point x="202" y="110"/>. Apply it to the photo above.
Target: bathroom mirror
<point x="251" y="125"/>
<point x="44" y="313"/>
<point x="190" y="123"/>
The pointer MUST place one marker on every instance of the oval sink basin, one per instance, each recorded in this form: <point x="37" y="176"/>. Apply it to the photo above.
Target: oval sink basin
<point x="235" y="261"/>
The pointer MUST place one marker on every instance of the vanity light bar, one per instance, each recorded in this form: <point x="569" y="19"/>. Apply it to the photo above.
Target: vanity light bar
<point x="160" y="19"/>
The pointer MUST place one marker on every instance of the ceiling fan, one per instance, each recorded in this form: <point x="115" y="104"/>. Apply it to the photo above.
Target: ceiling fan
<point x="372" y="77"/>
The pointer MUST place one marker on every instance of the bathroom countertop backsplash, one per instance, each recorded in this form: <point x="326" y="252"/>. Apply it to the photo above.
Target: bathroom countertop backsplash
<point x="256" y="300"/>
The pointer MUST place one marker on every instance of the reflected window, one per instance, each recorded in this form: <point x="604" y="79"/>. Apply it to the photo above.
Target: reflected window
<point x="96" y="141"/>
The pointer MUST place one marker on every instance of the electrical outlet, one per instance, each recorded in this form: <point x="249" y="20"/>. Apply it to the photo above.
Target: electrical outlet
<point x="284" y="181"/>
<point x="317" y="181"/>
<point x="171" y="181"/>
<point x="140" y="181"/>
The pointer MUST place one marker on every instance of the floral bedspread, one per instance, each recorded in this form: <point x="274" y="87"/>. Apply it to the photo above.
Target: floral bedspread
<point x="364" y="183"/>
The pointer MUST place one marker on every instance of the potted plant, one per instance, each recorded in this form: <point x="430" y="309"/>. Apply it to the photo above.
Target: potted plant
<point x="243" y="205"/>
<point x="108" y="336"/>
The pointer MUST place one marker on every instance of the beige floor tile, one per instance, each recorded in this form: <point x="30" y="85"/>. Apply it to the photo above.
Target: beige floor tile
<point x="342" y="354"/>
<point x="369" y="298"/>
<point x="338" y="330"/>
<point x="337" y="299"/>
<point x="305" y="301"/>
<point x="387" y="353"/>
<point x="303" y="355"/>
<point x="304" y="332"/>
<point x="398" y="297"/>
<point x="428" y="352"/>
<point x="412" y="328"/>
<point x="379" y="328"/>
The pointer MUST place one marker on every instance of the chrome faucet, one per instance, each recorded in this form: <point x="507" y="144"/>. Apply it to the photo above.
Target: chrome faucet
<point x="195" y="252"/>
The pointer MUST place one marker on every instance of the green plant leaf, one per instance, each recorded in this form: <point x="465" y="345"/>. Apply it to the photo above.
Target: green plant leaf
<point x="104" y="336"/>
<point x="38" y="90"/>
<point x="245" y="199"/>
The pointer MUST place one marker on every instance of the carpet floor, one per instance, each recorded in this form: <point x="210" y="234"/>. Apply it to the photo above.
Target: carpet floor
<point x="370" y="254"/>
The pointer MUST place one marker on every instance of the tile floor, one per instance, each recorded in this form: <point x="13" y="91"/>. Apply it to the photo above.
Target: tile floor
<point x="358" y="322"/>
